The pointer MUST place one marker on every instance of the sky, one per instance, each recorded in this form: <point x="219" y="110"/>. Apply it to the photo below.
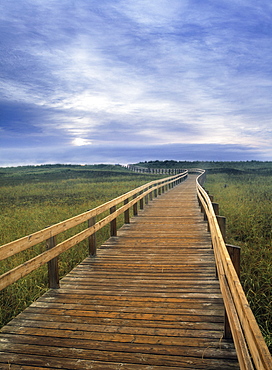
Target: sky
<point x="123" y="81"/>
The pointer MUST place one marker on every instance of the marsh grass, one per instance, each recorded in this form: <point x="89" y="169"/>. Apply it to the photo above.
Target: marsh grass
<point x="245" y="200"/>
<point x="33" y="198"/>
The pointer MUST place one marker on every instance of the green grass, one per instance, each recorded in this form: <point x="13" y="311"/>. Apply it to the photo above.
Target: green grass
<point x="33" y="198"/>
<point x="245" y="200"/>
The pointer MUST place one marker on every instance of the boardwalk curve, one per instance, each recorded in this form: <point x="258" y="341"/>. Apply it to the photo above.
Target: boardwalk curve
<point x="148" y="300"/>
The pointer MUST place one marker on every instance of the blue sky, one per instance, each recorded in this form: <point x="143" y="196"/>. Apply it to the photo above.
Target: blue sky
<point x="119" y="81"/>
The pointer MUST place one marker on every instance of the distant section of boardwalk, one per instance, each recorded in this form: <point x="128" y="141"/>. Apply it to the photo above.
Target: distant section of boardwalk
<point x="149" y="300"/>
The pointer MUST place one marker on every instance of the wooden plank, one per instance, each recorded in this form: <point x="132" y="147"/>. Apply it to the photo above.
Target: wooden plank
<point x="118" y="322"/>
<point x="62" y="362"/>
<point x="214" y="351"/>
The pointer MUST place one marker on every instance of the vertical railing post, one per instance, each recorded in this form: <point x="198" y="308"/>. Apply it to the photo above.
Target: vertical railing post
<point x="126" y="213"/>
<point x="142" y="202"/>
<point x="92" y="238"/>
<point x="53" y="269"/>
<point x="216" y="208"/>
<point x="146" y="198"/>
<point x="216" y="212"/>
<point x="135" y="207"/>
<point x="160" y="190"/>
<point x="150" y="194"/>
<point x="235" y="256"/>
<point x="113" y="224"/>
<point x="222" y="225"/>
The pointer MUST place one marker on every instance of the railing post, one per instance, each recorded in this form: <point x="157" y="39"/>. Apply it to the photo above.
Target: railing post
<point x="126" y="213"/>
<point x="235" y="253"/>
<point x="159" y="190"/>
<point x="92" y="238"/>
<point x="222" y="225"/>
<point x="113" y="224"/>
<point x="216" y="208"/>
<point x="216" y="211"/>
<point x="150" y="194"/>
<point x="135" y="207"/>
<point x="146" y="199"/>
<point x="142" y="202"/>
<point x="53" y="269"/>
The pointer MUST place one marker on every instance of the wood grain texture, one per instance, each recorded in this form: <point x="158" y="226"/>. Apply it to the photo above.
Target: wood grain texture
<point x="149" y="299"/>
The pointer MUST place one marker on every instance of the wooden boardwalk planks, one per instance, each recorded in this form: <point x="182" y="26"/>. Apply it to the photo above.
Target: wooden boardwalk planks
<point x="149" y="300"/>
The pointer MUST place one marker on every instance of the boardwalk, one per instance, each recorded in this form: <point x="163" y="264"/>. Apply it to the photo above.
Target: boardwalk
<point x="149" y="300"/>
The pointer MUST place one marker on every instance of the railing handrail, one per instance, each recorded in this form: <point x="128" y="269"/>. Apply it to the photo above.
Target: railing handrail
<point x="249" y="342"/>
<point x="19" y="245"/>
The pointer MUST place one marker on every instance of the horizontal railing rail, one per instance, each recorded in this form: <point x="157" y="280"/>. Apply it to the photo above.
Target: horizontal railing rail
<point x="48" y="235"/>
<point x="250" y="346"/>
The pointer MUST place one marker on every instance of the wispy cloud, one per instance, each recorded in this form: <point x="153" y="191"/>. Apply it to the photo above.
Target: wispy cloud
<point x="126" y="73"/>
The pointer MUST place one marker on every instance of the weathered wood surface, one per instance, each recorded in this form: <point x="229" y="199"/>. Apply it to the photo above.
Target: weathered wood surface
<point x="148" y="300"/>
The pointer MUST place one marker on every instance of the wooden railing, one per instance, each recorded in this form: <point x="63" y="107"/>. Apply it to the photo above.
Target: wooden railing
<point x="250" y="346"/>
<point x="48" y="235"/>
<point x="163" y="171"/>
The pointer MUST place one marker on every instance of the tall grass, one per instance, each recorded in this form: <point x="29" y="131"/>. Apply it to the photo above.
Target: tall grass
<point x="245" y="200"/>
<point x="34" y="198"/>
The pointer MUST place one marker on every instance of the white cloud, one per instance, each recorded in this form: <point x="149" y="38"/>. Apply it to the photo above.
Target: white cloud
<point x="78" y="141"/>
